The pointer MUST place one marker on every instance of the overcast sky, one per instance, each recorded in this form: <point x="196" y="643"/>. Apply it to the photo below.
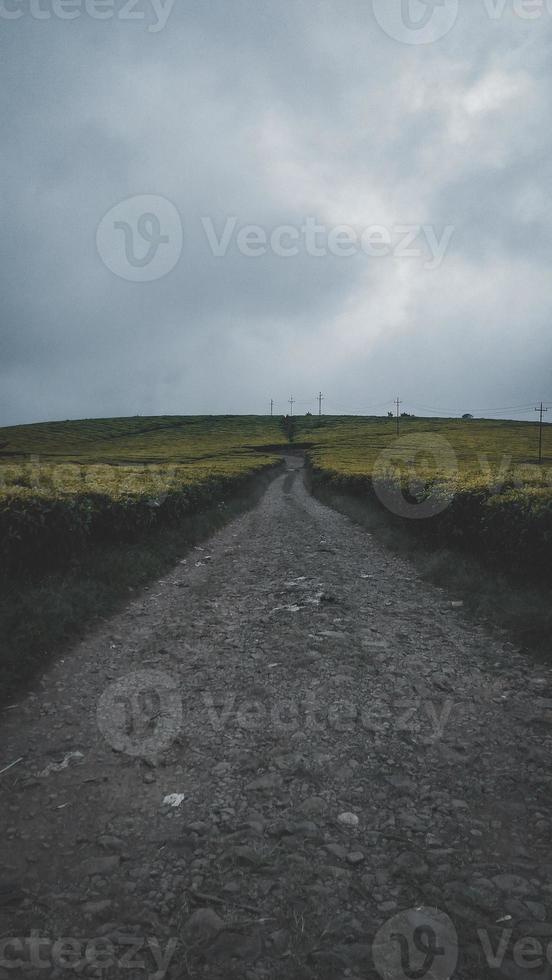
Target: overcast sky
<point x="295" y="113"/>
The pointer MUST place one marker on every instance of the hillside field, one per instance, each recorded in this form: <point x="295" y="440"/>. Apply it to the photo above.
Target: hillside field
<point x="477" y="482"/>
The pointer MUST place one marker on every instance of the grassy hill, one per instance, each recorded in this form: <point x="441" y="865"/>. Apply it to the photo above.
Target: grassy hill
<point x="483" y="449"/>
<point x="139" y="439"/>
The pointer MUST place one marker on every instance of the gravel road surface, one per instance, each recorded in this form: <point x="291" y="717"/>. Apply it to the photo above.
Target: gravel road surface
<point x="288" y="758"/>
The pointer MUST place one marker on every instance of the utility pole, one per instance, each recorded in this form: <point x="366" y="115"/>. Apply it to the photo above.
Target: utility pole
<point x="320" y="400"/>
<point x="398" y="404"/>
<point x="541" y="412"/>
<point x="271" y="407"/>
<point x="291" y="402"/>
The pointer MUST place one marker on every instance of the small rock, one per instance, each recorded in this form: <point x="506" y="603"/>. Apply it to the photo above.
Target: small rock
<point x="203" y="924"/>
<point x="337" y="850"/>
<point x="355" y="857"/>
<point x="199" y="827"/>
<point x="313" y="805"/>
<point x="348" y="820"/>
<point x="257" y="826"/>
<point x="174" y="800"/>
<point x="246" y="855"/>
<point x="537" y="909"/>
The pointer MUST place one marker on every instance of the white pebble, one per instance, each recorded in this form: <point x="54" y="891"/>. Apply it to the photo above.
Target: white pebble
<point x="348" y="819"/>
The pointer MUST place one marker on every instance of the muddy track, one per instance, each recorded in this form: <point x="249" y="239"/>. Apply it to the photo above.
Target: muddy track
<point x="278" y="748"/>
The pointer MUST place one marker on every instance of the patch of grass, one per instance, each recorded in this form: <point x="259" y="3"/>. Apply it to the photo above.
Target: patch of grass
<point x="162" y="439"/>
<point x="485" y="452"/>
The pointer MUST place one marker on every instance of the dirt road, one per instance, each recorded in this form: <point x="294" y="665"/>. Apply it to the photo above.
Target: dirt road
<point x="266" y="760"/>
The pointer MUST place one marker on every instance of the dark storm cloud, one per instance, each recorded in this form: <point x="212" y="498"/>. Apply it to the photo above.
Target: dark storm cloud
<point x="271" y="114"/>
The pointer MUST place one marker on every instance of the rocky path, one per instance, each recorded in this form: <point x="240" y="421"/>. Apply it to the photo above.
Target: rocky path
<point x="289" y="758"/>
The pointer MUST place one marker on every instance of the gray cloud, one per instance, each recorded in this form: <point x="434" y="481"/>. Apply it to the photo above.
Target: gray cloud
<point x="274" y="113"/>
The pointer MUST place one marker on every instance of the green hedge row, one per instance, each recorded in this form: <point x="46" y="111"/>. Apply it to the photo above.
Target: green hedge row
<point x="511" y="529"/>
<point x="38" y="533"/>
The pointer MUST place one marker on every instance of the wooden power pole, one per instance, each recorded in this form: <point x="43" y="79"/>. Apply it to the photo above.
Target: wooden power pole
<point x="541" y="412"/>
<point x="398" y="404"/>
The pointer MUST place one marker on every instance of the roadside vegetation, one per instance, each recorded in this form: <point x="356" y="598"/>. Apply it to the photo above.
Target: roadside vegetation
<point x="90" y="510"/>
<point x="66" y="485"/>
<point x="476" y="484"/>
<point x="465" y="500"/>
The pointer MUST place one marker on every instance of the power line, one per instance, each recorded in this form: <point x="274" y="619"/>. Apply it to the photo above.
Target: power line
<point x="365" y="408"/>
<point x="479" y="411"/>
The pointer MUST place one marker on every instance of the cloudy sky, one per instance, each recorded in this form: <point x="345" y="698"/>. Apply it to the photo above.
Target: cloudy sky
<point x="141" y="140"/>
